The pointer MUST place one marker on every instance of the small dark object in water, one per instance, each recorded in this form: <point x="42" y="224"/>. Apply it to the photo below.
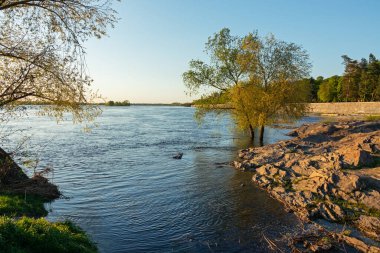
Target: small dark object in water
<point x="178" y="156"/>
<point x="242" y="185"/>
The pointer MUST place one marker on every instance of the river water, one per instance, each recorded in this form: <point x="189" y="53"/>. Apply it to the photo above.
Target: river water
<point x="124" y="188"/>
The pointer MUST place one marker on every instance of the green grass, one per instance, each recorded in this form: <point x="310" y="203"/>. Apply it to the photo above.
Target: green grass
<point x="16" y="205"/>
<point x="357" y="209"/>
<point x="31" y="235"/>
<point x="372" y="117"/>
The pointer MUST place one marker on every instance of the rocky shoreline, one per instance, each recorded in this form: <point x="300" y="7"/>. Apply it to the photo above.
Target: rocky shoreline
<point x="329" y="173"/>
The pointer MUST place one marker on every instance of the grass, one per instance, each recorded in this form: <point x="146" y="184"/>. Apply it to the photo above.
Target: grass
<point x="372" y="117"/>
<point x="357" y="209"/>
<point x="16" y="205"/>
<point x="31" y="235"/>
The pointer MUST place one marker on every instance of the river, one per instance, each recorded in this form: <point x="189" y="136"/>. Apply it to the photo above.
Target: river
<point x="123" y="187"/>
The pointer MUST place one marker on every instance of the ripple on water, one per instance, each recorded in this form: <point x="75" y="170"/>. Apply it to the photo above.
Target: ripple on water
<point x="128" y="193"/>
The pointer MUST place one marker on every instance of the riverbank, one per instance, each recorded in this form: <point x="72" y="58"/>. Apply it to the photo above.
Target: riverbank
<point x="329" y="173"/>
<point x="346" y="108"/>
<point x="22" y="226"/>
<point x="341" y="109"/>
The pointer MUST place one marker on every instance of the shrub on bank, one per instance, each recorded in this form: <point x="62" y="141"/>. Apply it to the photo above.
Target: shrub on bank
<point x="16" y="205"/>
<point x="39" y="235"/>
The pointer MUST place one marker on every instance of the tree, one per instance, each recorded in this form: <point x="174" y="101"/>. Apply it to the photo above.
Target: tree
<point x="280" y="102"/>
<point x="330" y="89"/>
<point x="275" y="68"/>
<point x="251" y="71"/>
<point x="351" y="79"/>
<point x="224" y="71"/>
<point x="42" y="55"/>
<point x="361" y="79"/>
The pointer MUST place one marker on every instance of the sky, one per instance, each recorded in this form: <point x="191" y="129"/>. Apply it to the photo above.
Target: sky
<point x="142" y="59"/>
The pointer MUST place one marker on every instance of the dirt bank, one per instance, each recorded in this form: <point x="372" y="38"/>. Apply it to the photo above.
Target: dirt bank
<point x="14" y="180"/>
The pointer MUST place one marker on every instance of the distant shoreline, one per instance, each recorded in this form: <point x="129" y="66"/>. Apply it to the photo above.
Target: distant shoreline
<point x="162" y="104"/>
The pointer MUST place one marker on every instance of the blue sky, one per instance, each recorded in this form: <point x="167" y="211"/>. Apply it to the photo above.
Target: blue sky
<point x="143" y="58"/>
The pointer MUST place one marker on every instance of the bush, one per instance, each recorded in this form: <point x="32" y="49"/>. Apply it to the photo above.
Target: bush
<point x="17" y="205"/>
<point x="39" y="235"/>
<point x="113" y="103"/>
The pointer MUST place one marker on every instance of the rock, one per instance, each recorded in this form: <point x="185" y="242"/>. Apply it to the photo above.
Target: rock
<point x="360" y="245"/>
<point x="309" y="175"/>
<point x="237" y="164"/>
<point x="370" y="226"/>
<point x="320" y="246"/>
<point x="331" y="212"/>
<point x="370" y="199"/>
<point x="353" y="157"/>
<point x="178" y="156"/>
<point x="267" y="170"/>
<point x="315" y="184"/>
<point x="346" y="182"/>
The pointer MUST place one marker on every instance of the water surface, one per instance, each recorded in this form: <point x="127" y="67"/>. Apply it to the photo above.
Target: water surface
<point x="124" y="188"/>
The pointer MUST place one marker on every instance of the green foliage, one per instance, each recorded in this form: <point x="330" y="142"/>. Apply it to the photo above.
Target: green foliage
<point x="357" y="209"/>
<point x="41" y="236"/>
<point x="223" y="71"/>
<point x="372" y="118"/>
<point x="44" y="58"/>
<point x="16" y="205"/>
<point x="215" y="98"/>
<point x="122" y="103"/>
<point x="330" y="89"/>
<point x="256" y="105"/>
<point x="257" y="76"/>
<point x="361" y="79"/>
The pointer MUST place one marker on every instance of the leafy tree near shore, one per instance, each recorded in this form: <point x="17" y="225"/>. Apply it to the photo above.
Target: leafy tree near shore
<point x="273" y="92"/>
<point x="42" y="55"/>
<point x="256" y="75"/>
<point x="224" y="71"/>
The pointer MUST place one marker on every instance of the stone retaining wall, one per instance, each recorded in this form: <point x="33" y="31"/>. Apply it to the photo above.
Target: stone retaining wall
<point x="346" y="108"/>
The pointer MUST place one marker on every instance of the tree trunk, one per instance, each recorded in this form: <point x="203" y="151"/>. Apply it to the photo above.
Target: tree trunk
<point x="261" y="137"/>
<point x="252" y="132"/>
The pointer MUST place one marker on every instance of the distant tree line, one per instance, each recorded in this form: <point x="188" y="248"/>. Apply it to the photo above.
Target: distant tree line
<point x="360" y="82"/>
<point x="117" y="103"/>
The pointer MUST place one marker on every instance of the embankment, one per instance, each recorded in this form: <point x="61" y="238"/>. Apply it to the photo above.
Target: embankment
<point x="346" y="108"/>
<point x="340" y="108"/>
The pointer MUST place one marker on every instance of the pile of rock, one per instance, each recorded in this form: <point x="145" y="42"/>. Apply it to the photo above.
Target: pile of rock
<point x="322" y="173"/>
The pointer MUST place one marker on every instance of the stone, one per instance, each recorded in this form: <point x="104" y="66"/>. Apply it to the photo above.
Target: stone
<point x="370" y="226"/>
<point x="178" y="156"/>
<point x="346" y="182"/>
<point x="331" y="212"/>
<point x="353" y="157"/>
<point x="267" y="170"/>
<point x="370" y="199"/>
<point x="360" y="245"/>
